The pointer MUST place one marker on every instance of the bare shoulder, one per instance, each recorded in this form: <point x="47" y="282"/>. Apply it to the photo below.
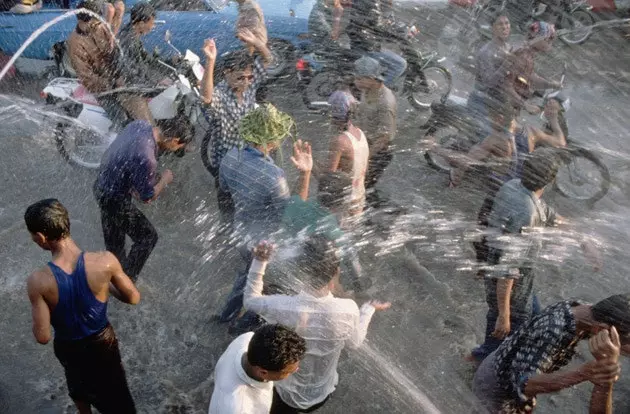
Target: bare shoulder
<point x="101" y="260"/>
<point x="39" y="281"/>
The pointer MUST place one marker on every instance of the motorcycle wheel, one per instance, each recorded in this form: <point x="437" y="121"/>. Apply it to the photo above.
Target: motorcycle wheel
<point x="315" y="94"/>
<point x="80" y="147"/>
<point x="451" y="140"/>
<point x="205" y="152"/>
<point x="580" y="23"/>
<point x="432" y="85"/>
<point x="583" y="177"/>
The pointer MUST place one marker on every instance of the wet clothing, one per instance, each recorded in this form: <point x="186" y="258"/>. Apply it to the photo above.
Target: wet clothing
<point x="544" y="345"/>
<point x="78" y="313"/>
<point x="280" y="407"/>
<point x="139" y="68"/>
<point x="259" y="189"/>
<point x="328" y="324"/>
<point x="129" y="164"/>
<point x="235" y="392"/>
<point x="320" y="21"/>
<point x="250" y="16"/>
<point x="360" y="157"/>
<point x="225" y="113"/>
<point x="377" y="113"/>
<point x="94" y="372"/>
<point x="365" y="17"/>
<point x="94" y="58"/>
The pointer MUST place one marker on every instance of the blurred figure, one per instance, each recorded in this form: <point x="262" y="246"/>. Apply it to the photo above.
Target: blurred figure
<point x="113" y="11"/>
<point x="251" y="17"/>
<point x="21" y="6"/>
<point x="71" y="294"/>
<point x="349" y="151"/>
<point x="245" y="373"/>
<point x="491" y="72"/>
<point x="328" y="324"/>
<point x="230" y="101"/>
<point x="328" y="21"/>
<point x="259" y="189"/>
<point x="522" y="79"/>
<point x="129" y="169"/>
<point x="376" y="116"/>
<point x="527" y="363"/>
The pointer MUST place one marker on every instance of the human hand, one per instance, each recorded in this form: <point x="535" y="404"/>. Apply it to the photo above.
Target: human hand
<point x="601" y="371"/>
<point x="246" y="36"/>
<point x="302" y="156"/>
<point x="263" y="251"/>
<point x="210" y="49"/>
<point x="167" y="176"/>
<point x="502" y="327"/>
<point x="605" y="344"/>
<point x="532" y="109"/>
<point x="552" y="107"/>
<point x="378" y="305"/>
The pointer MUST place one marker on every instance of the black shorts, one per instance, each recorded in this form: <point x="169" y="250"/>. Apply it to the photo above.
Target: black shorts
<point x="94" y="372"/>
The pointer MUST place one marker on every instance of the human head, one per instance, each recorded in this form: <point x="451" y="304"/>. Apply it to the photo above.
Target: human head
<point x="143" y="17"/>
<point x="334" y="191"/>
<point x="614" y="311"/>
<point x="500" y="27"/>
<point x="319" y="262"/>
<point x="368" y="74"/>
<point x="342" y="107"/>
<point x="274" y="352"/>
<point x="48" y="222"/>
<point x="265" y="127"/>
<point x="237" y="69"/>
<point x="95" y="6"/>
<point x="541" y="35"/>
<point x="173" y="135"/>
<point x="539" y="169"/>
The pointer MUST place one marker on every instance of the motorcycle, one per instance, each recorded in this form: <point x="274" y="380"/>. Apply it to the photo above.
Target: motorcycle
<point x="454" y="131"/>
<point x="424" y="81"/>
<point x="84" y="131"/>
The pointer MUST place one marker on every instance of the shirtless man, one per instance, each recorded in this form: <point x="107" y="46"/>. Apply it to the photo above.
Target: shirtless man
<point x="71" y="294"/>
<point x="349" y="150"/>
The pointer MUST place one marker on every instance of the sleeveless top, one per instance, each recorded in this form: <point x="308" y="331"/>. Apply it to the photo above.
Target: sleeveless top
<point x="361" y="153"/>
<point x="78" y="313"/>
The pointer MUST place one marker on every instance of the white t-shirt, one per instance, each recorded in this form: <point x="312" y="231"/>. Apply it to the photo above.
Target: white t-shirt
<point x="234" y="391"/>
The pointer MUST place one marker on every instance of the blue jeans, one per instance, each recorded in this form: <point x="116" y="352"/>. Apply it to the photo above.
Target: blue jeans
<point x="478" y="107"/>
<point x="393" y="64"/>
<point x="234" y="302"/>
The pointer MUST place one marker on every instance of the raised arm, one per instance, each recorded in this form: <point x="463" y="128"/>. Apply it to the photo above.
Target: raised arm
<point x="303" y="160"/>
<point x="207" y="81"/>
<point x="39" y="308"/>
<point x="246" y="36"/>
<point x="121" y="286"/>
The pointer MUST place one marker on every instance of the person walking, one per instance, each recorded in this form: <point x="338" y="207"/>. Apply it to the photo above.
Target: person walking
<point x="71" y="294"/>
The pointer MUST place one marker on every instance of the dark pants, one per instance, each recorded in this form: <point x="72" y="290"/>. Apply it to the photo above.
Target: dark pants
<point x="119" y="218"/>
<point x="224" y="200"/>
<point x="280" y="407"/>
<point x="94" y="372"/>
<point x="376" y="167"/>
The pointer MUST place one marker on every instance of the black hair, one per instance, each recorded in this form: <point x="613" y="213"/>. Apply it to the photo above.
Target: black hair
<point x="615" y="311"/>
<point x="236" y="60"/>
<point x="95" y="6"/>
<point x="177" y="127"/>
<point x="274" y="347"/>
<point x="495" y="17"/>
<point x="540" y="168"/>
<point x="334" y="189"/>
<point x="48" y="217"/>
<point x="319" y="261"/>
<point x="142" y="12"/>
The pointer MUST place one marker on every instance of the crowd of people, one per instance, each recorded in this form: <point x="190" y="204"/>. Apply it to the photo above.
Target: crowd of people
<point x="290" y="337"/>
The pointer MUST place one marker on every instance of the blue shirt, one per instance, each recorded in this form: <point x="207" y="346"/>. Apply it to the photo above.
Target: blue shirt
<point x="130" y="163"/>
<point x="258" y="188"/>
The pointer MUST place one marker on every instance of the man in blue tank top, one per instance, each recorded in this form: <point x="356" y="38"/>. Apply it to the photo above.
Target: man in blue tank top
<point x="71" y="294"/>
<point x="129" y="169"/>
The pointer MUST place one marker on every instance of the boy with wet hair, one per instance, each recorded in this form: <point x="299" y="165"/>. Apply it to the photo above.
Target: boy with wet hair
<point x="525" y="364"/>
<point x="245" y="373"/>
<point x="327" y="323"/>
<point x="71" y="294"/>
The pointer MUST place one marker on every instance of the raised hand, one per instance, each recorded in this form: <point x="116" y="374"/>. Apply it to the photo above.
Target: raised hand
<point x="263" y="251"/>
<point x="552" y="107"/>
<point x="210" y="49"/>
<point x="605" y="345"/>
<point x="302" y="156"/>
<point x="246" y="36"/>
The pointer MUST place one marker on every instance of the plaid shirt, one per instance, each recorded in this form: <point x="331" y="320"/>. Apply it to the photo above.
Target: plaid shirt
<point x="544" y="345"/>
<point x="226" y="112"/>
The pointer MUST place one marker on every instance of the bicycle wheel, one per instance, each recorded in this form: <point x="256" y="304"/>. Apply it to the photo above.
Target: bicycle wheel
<point x="583" y="177"/>
<point x="579" y="25"/>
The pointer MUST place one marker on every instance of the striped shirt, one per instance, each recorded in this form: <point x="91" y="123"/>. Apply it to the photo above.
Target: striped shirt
<point x="259" y="190"/>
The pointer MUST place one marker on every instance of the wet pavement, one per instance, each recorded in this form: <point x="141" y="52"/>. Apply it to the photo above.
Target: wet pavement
<point x="414" y="352"/>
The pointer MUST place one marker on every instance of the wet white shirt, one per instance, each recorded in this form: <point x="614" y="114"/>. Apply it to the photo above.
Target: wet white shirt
<point x="234" y="391"/>
<point x="326" y="323"/>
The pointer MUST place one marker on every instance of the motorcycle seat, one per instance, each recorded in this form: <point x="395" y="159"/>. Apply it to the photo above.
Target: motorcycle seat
<point x="84" y="96"/>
